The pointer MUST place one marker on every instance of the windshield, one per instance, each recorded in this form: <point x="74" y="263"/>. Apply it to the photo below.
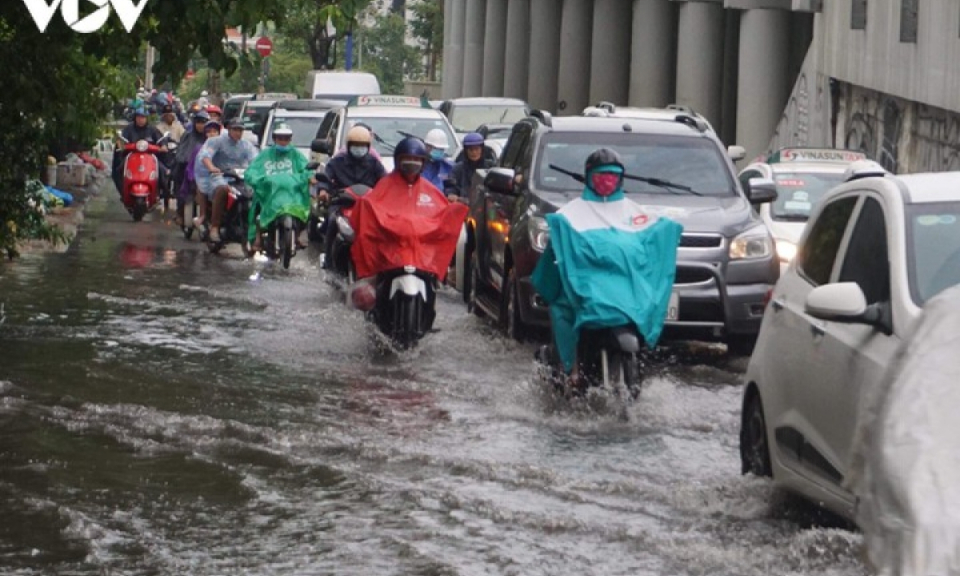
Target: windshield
<point x="799" y="192"/>
<point x="304" y="129"/>
<point x="389" y="131"/>
<point x="469" y="118"/>
<point x="697" y="163"/>
<point x="254" y="117"/>
<point x="933" y="235"/>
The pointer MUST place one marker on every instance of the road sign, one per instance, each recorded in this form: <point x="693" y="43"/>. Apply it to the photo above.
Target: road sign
<point x="264" y="46"/>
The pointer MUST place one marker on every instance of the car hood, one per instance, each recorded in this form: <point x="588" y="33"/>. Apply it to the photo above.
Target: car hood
<point x="726" y="215"/>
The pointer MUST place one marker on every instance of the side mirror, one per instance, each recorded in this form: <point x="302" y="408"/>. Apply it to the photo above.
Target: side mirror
<point x="500" y="181"/>
<point x="736" y="153"/>
<point x="320" y="147"/>
<point x="845" y="302"/>
<point x="761" y="190"/>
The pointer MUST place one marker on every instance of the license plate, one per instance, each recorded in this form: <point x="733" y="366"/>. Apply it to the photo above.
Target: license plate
<point x="673" y="308"/>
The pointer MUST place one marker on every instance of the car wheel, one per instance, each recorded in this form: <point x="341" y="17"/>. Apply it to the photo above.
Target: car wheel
<point x="510" y="319"/>
<point x="467" y="279"/>
<point x="474" y="282"/>
<point x="754" y="447"/>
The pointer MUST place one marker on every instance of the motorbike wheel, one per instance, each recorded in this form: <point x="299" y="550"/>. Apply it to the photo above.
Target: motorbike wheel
<point x="632" y="378"/>
<point x="510" y="319"/>
<point x="139" y="209"/>
<point x="313" y="234"/>
<point x="289" y="239"/>
<point x="405" y="322"/>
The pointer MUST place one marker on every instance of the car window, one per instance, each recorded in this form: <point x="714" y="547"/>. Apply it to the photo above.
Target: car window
<point x="388" y="131"/>
<point x="686" y="161"/>
<point x="799" y="192"/>
<point x="304" y="127"/>
<point x="865" y="261"/>
<point x="515" y="145"/>
<point x="324" y="129"/>
<point x="933" y="237"/>
<point x="469" y="118"/>
<point x="816" y="256"/>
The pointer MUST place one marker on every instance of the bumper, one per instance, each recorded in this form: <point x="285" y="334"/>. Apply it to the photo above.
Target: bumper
<point x="714" y="307"/>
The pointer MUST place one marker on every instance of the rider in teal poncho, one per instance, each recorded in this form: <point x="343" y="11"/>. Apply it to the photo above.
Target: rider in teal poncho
<point x="608" y="263"/>
<point x="280" y="182"/>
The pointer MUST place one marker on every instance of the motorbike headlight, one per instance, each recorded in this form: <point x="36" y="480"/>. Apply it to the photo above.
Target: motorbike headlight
<point x="345" y="228"/>
<point x="539" y="233"/>
<point x="754" y="243"/>
<point x="143" y="146"/>
<point x="786" y="250"/>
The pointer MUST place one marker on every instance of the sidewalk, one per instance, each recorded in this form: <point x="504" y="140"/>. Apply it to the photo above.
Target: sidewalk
<point x="69" y="218"/>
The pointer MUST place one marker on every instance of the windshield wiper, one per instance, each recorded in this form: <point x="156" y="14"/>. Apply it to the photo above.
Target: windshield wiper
<point x="792" y="217"/>
<point x="654" y="181"/>
<point x="379" y="139"/>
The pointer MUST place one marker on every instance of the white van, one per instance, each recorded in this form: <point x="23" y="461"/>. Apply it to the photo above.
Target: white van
<point x="329" y="85"/>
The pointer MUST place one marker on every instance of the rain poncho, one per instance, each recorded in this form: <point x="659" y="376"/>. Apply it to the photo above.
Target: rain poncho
<point x="281" y="185"/>
<point x="607" y="264"/>
<point x="906" y="453"/>
<point x="398" y="224"/>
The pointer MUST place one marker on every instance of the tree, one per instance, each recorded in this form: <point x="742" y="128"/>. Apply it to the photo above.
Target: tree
<point x="385" y="53"/>
<point x="427" y="26"/>
<point x="309" y="19"/>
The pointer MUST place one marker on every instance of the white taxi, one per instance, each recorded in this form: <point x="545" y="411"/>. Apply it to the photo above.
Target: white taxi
<point x="802" y="176"/>
<point x="875" y="250"/>
<point x="390" y="118"/>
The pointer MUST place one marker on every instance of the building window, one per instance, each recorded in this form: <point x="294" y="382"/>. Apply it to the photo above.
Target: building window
<point x="908" y="20"/>
<point x="858" y="15"/>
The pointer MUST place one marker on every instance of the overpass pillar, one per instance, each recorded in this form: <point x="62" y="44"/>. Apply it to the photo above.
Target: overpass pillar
<point x="610" y="62"/>
<point x="544" y="54"/>
<point x="473" y="48"/>
<point x="653" y="53"/>
<point x="494" y="46"/>
<point x="453" y="51"/>
<point x="763" y="85"/>
<point x="700" y="34"/>
<point x="517" y="49"/>
<point x="573" y="92"/>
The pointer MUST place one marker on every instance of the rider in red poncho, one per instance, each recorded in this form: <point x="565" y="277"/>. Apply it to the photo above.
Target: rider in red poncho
<point x="405" y="220"/>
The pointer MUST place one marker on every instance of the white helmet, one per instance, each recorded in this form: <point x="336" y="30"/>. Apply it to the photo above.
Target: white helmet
<point x="863" y="169"/>
<point x="283" y="130"/>
<point x="204" y="94"/>
<point x="436" y="138"/>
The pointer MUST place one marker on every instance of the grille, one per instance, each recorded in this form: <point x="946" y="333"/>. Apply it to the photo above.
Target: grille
<point x="687" y="275"/>
<point x="700" y="241"/>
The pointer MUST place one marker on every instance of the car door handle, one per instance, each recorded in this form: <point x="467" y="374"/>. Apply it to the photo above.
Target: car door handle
<point x="777" y="304"/>
<point x="817" y="330"/>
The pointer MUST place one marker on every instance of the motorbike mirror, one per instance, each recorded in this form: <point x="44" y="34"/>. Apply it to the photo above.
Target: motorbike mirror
<point x="500" y="181"/>
<point x="320" y="146"/>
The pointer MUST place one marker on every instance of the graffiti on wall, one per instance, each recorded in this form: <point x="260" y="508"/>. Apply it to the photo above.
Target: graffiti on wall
<point x="937" y="139"/>
<point x="806" y="118"/>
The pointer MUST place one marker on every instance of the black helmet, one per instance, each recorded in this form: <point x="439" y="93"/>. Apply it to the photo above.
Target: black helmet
<point x="602" y="157"/>
<point x="410" y="146"/>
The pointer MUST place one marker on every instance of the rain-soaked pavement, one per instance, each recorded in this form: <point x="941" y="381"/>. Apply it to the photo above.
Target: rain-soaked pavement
<point x="162" y="413"/>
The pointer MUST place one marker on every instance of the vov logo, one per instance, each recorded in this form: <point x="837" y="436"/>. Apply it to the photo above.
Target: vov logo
<point x="43" y="11"/>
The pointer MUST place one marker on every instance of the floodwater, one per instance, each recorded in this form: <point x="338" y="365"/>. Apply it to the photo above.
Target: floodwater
<point x="166" y="411"/>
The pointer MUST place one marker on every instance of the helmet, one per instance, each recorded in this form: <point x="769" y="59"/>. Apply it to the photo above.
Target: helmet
<point x="168" y="109"/>
<point x="436" y="138"/>
<point x="358" y="135"/>
<point x="212" y="124"/>
<point x="204" y="94"/>
<point x="282" y="130"/>
<point x="602" y="157"/>
<point x="473" y="139"/>
<point x="201" y="116"/>
<point x="212" y="109"/>
<point x="863" y="169"/>
<point x="140" y="112"/>
<point x="236" y="123"/>
<point x="410" y="146"/>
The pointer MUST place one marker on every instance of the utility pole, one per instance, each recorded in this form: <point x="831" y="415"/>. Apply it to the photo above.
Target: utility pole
<point x="148" y="76"/>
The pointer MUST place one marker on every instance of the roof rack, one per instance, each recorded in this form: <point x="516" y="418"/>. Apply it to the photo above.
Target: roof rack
<point x="692" y="121"/>
<point x="543" y="116"/>
<point x="682" y="108"/>
<point x="608" y="106"/>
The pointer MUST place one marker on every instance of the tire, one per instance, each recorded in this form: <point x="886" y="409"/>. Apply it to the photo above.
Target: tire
<point x="467" y="278"/>
<point x="510" y="320"/>
<point x="632" y="378"/>
<point x="406" y="319"/>
<point x="288" y="238"/>
<point x="139" y="209"/>
<point x="474" y="282"/>
<point x="754" y="445"/>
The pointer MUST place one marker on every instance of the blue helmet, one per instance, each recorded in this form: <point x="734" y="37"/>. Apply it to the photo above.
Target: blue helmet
<point x="410" y="146"/>
<point x="140" y="112"/>
<point x="473" y="139"/>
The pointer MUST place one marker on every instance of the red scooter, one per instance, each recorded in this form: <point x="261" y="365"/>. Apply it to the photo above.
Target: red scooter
<point x="141" y="176"/>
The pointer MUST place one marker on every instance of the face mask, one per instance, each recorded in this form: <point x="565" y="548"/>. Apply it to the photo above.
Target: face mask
<point x="358" y="151"/>
<point x="437" y="154"/>
<point x="280" y="148"/>
<point x="605" y="183"/>
<point x="411" y="167"/>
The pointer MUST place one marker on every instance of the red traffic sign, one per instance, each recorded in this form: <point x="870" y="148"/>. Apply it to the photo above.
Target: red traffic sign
<point x="264" y="46"/>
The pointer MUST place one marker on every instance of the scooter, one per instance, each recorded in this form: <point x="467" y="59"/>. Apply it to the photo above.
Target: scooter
<point x="607" y="358"/>
<point x="233" y="228"/>
<point x="340" y="210"/>
<point x="401" y="303"/>
<point x="280" y="239"/>
<point x="141" y="176"/>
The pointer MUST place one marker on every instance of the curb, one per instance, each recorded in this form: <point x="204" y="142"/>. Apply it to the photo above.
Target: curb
<point x="68" y="219"/>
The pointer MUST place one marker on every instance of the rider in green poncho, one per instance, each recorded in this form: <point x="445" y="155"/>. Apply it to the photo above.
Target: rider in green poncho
<point x="280" y="182"/>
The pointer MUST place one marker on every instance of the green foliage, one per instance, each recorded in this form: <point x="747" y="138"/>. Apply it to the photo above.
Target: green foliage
<point x="307" y="20"/>
<point x="427" y="27"/>
<point x="384" y="53"/>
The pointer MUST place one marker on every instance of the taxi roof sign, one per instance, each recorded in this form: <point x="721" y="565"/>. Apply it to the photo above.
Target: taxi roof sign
<point x="387" y="100"/>
<point x="815" y="155"/>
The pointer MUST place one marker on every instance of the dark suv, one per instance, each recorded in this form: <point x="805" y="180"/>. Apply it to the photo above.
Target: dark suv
<point x="727" y="264"/>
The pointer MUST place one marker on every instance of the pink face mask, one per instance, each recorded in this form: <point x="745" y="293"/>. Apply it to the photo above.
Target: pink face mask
<point x="604" y="183"/>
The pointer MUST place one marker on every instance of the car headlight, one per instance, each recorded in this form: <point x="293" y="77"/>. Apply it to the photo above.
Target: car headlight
<point x="539" y="233"/>
<point x="754" y="243"/>
<point x="786" y="250"/>
<point x="143" y="146"/>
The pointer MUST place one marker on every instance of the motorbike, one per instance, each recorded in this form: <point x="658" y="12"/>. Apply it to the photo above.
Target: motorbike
<point x="141" y="175"/>
<point x="401" y="303"/>
<point x="233" y="228"/>
<point x="340" y="209"/>
<point x="607" y="358"/>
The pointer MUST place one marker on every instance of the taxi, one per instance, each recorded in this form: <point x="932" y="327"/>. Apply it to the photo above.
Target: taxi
<point x="390" y="118"/>
<point x="802" y="177"/>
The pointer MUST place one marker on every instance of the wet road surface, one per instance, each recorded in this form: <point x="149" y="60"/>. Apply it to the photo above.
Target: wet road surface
<point x="162" y="413"/>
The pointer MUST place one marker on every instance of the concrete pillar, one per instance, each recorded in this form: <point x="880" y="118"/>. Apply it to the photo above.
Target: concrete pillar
<point x="573" y="81"/>
<point x="700" y="58"/>
<point x="517" y="53"/>
<point x="453" y="49"/>
<point x="727" y="130"/>
<point x="653" y="53"/>
<point x="447" y="57"/>
<point x="494" y="47"/>
<point x="544" y="54"/>
<point x="473" y="48"/>
<point x="610" y="60"/>
<point x="763" y="86"/>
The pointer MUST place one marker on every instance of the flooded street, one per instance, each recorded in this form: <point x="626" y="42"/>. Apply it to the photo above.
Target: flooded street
<point x="162" y="413"/>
